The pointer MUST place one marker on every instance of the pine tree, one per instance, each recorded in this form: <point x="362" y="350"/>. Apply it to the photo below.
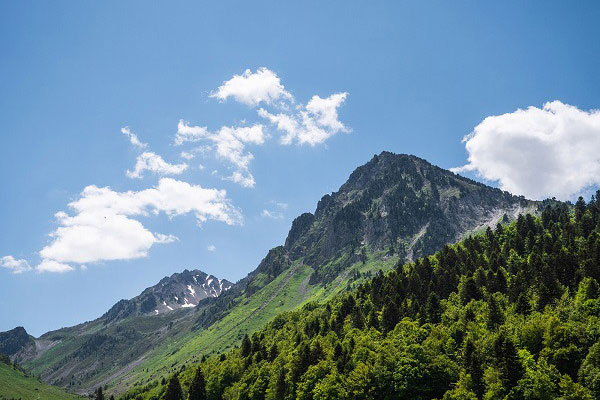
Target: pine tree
<point x="472" y="365"/>
<point x="174" y="389"/>
<point x="99" y="394"/>
<point x="389" y="316"/>
<point x="246" y="346"/>
<point x="198" y="386"/>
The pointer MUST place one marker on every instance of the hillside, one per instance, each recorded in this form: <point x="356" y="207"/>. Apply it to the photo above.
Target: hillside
<point x="84" y="356"/>
<point x="511" y="313"/>
<point x="394" y="208"/>
<point x="15" y="384"/>
<point x="363" y="227"/>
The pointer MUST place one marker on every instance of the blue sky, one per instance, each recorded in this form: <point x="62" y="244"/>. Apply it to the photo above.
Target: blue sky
<point x="418" y="77"/>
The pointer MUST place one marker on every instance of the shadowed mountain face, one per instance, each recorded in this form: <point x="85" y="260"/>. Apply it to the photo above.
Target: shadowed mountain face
<point x="180" y="290"/>
<point x="393" y="208"/>
<point x="15" y="340"/>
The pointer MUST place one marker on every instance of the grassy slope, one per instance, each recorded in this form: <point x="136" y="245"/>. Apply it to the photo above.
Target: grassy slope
<point x="15" y="384"/>
<point x="153" y="331"/>
<point x="287" y="292"/>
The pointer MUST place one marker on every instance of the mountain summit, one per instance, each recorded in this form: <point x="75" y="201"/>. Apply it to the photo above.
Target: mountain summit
<point x="400" y="204"/>
<point x="180" y="290"/>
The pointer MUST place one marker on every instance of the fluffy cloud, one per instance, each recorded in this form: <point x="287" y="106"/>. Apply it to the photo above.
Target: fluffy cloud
<point x="539" y="153"/>
<point x="148" y="161"/>
<point x="133" y="139"/>
<point x="211" y="247"/>
<point x="312" y="124"/>
<point x="14" y="265"/>
<point x="229" y="144"/>
<point x="102" y="229"/>
<point x="252" y="88"/>
<point x="186" y="133"/>
<point x="54" y="266"/>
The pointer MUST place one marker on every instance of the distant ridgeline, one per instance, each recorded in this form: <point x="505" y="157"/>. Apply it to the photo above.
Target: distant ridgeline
<point x="511" y="313"/>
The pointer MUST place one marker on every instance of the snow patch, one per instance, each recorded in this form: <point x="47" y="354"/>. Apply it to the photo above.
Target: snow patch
<point x="191" y="289"/>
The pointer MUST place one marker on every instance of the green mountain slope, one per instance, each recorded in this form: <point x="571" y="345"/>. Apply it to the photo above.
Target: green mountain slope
<point x="15" y="384"/>
<point x="395" y="207"/>
<point x="512" y="313"/>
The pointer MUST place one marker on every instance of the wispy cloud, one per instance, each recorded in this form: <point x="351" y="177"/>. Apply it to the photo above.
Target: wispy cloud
<point x="229" y="144"/>
<point x="271" y="214"/>
<point x="133" y="139"/>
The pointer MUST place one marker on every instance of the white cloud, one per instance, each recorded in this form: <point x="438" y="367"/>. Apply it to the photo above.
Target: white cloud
<point x="229" y="144"/>
<point x="148" y="161"/>
<point x="211" y="247"/>
<point x="186" y="133"/>
<point x="271" y="214"/>
<point x="187" y="155"/>
<point x="312" y="124"/>
<point x="252" y="88"/>
<point x="133" y="139"/>
<point x="102" y="229"/>
<point x="538" y="153"/>
<point x="53" y="266"/>
<point x="16" y="266"/>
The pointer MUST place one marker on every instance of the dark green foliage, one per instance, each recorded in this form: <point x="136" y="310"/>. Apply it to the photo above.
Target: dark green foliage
<point x="198" y="386"/>
<point x="246" y="346"/>
<point x="99" y="394"/>
<point x="513" y="313"/>
<point x="173" y="389"/>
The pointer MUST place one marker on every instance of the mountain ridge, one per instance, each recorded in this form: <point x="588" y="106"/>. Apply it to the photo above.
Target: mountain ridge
<point x="393" y="208"/>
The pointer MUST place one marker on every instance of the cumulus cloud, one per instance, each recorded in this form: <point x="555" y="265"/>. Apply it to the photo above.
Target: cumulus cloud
<point x="102" y="228"/>
<point x="148" y="161"/>
<point x="133" y="139"/>
<point x="187" y="133"/>
<point x="14" y="265"/>
<point x="229" y="144"/>
<point x="252" y="88"/>
<point x="538" y="153"/>
<point x="54" y="266"/>
<point x="211" y="247"/>
<point x="311" y="124"/>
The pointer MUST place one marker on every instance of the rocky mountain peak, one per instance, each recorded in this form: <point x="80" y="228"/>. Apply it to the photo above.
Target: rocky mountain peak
<point x="180" y="290"/>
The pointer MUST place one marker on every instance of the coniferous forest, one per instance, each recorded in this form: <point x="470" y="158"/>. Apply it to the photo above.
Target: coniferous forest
<point x="513" y="313"/>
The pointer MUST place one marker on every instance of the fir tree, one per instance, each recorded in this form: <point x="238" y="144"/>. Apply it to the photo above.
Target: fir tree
<point x="198" y="386"/>
<point x="174" y="389"/>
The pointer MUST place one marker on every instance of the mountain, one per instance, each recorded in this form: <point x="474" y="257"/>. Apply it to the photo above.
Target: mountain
<point x="180" y="290"/>
<point x="393" y="209"/>
<point x="510" y="313"/>
<point x="89" y="352"/>
<point x="399" y="204"/>
<point x="15" y="341"/>
<point x="17" y="384"/>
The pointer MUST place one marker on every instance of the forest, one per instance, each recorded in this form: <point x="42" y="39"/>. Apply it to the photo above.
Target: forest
<point x="512" y="313"/>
